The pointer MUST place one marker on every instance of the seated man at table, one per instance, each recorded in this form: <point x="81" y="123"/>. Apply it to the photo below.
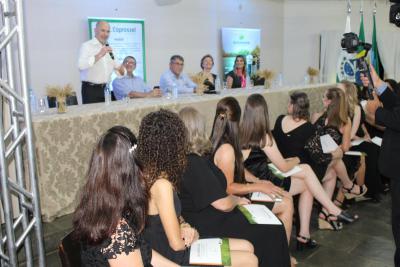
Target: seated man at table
<point x="174" y="77"/>
<point x="130" y="85"/>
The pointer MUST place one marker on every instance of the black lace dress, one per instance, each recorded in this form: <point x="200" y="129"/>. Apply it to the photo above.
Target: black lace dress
<point x="123" y="241"/>
<point x="155" y="235"/>
<point x="319" y="161"/>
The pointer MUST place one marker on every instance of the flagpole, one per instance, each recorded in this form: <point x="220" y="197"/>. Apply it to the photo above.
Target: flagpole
<point x="348" y="7"/>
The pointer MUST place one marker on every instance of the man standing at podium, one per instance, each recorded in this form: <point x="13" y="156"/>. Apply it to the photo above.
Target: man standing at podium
<point x="96" y="64"/>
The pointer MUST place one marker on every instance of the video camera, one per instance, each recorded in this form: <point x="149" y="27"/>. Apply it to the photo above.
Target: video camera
<point x="352" y="44"/>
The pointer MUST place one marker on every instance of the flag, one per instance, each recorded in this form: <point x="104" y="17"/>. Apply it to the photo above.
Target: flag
<point x="375" y="59"/>
<point x="361" y="37"/>
<point x="346" y="65"/>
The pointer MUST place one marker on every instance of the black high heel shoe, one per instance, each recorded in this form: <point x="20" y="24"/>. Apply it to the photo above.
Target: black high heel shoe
<point x="349" y="195"/>
<point x="346" y="217"/>
<point x="309" y="244"/>
<point x="326" y="223"/>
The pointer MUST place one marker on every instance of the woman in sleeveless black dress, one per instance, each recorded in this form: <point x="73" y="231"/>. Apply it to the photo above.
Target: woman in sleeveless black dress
<point x="162" y="151"/>
<point x="207" y="206"/>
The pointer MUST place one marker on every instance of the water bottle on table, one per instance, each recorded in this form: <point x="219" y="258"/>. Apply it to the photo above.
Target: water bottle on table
<point x="107" y="95"/>
<point x="174" y="91"/>
<point x="32" y="101"/>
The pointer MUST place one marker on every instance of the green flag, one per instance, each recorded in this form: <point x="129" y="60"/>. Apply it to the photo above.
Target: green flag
<point x="361" y="35"/>
<point x="375" y="59"/>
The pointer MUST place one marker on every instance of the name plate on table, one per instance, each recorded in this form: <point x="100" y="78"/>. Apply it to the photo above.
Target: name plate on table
<point x="259" y="214"/>
<point x="210" y="251"/>
<point x="328" y="144"/>
<point x="282" y="175"/>
<point x="262" y="197"/>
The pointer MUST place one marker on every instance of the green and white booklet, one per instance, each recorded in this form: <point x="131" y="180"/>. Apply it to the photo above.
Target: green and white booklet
<point x="259" y="214"/>
<point x="283" y="175"/>
<point x="355" y="153"/>
<point x="377" y="141"/>
<point x="262" y="197"/>
<point x="210" y="251"/>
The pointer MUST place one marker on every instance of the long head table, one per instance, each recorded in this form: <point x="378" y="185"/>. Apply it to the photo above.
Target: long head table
<point x="64" y="141"/>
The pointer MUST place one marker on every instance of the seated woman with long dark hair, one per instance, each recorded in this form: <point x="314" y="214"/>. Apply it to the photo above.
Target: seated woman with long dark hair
<point x="162" y="151"/>
<point x="227" y="156"/>
<point x="237" y="77"/>
<point x="206" y="204"/>
<point x="110" y="216"/>
<point x="260" y="148"/>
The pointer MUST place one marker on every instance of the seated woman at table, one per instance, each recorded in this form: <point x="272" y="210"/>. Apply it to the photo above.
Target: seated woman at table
<point x="237" y="77"/>
<point x="259" y="148"/>
<point x="206" y="204"/>
<point x="208" y="78"/>
<point x="162" y="151"/>
<point x="109" y="224"/>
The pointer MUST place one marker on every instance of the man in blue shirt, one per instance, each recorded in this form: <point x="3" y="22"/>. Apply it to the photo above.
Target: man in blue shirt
<point x="174" y="77"/>
<point x="130" y="85"/>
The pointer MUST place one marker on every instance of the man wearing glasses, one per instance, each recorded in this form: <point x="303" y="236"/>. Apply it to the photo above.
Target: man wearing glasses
<point x="175" y="78"/>
<point x="130" y="85"/>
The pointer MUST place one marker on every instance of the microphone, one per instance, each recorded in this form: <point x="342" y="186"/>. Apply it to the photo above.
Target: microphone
<point x="111" y="53"/>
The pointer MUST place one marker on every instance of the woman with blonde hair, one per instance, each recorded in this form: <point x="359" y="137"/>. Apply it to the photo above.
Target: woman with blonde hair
<point x="334" y="121"/>
<point x="359" y="133"/>
<point x="207" y="205"/>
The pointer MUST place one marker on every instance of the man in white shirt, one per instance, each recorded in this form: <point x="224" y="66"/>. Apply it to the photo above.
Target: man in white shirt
<point x="96" y="65"/>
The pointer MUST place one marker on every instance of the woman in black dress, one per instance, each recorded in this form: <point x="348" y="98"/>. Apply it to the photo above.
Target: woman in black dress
<point x="108" y="223"/>
<point x="359" y="132"/>
<point x="260" y="148"/>
<point x="206" y="204"/>
<point x="209" y="79"/>
<point x="335" y="121"/>
<point x="237" y="77"/>
<point x="162" y="151"/>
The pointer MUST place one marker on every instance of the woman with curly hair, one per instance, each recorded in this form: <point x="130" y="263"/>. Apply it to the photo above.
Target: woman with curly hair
<point x="162" y="151"/>
<point x="109" y="223"/>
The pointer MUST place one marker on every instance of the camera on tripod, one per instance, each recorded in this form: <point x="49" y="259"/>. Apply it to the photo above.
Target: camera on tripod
<point x="352" y="44"/>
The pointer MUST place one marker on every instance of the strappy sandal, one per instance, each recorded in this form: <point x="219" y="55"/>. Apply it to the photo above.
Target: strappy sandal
<point x="309" y="244"/>
<point x="327" y="224"/>
<point x="349" y="195"/>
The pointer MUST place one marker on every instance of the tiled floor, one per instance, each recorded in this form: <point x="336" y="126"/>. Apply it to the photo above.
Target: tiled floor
<point x="366" y="243"/>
